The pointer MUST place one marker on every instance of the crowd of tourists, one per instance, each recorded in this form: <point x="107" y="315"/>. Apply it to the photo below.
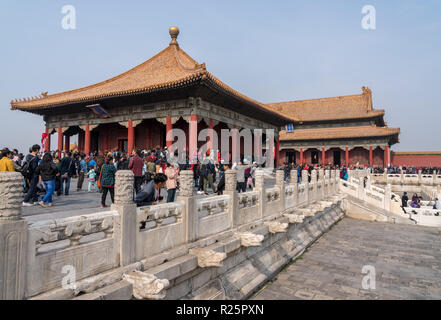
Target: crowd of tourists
<point x="288" y="167"/>
<point x="416" y="202"/>
<point x="47" y="174"/>
<point x="412" y="170"/>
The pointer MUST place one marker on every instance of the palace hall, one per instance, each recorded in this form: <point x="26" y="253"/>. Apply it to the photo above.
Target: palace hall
<point x="136" y="109"/>
<point x="344" y="130"/>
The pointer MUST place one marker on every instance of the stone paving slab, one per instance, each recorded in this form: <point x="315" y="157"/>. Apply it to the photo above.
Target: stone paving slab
<point x="406" y="258"/>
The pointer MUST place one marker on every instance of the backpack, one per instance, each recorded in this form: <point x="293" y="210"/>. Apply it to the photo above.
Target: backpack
<point x="26" y="169"/>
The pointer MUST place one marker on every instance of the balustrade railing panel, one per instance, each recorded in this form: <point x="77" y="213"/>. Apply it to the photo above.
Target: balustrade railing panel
<point x="86" y="245"/>
<point x="248" y="205"/>
<point x="159" y="228"/>
<point x="214" y="215"/>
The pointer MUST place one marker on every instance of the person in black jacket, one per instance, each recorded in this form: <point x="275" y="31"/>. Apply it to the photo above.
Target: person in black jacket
<point x="31" y="163"/>
<point x="48" y="171"/>
<point x="67" y="170"/>
<point x="221" y="184"/>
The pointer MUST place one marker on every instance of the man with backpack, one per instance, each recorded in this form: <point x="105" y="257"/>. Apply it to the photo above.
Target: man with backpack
<point x="28" y="170"/>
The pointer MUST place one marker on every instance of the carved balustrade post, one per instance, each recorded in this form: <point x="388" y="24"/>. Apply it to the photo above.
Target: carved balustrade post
<point x="260" y="186"/>
<point x="321" y="181"/>
<point x="361" y="191"/>
<point x="306" y="184"/>
<point x="314" y="196"/>
<point x="13" y="237"/>
<point x="230" y="190"/>
<point x="126" y="232"/>
<point x="337" y="181"/>
<point x="327" y="179"/>
<point x="387" y="197"/>
<point x="280" y="183"/>
<point x="293" y="181"/>
<point x="186" y="195"/>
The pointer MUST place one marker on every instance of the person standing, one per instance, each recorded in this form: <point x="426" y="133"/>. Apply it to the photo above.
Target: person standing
<point x="221" y="184"/>
<point x="91" y="174"/>
<point x="404" y="200"/>
<point x="123" y="163"/>
<point x="67" y="171"/>
<point x="31" y="164"/>
<point x="437" y="205"/>
<point x="172" y="176"/>
<point x="58" y="178"/>
<point x="81" y="172"/>
<point x="48" y="171"/>
<point x="107" y="179"/>
<point x="136" y="165"/>
<point x="6" y="163"/>
<point x="207" y="172"/>
<point x="240" y="168"/>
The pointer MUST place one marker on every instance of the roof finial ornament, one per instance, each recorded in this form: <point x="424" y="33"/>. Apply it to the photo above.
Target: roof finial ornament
<point x="366" y="90"/>
<point x="174" y="32"/>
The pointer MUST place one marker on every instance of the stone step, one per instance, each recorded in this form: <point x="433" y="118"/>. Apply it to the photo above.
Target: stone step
<point x="384" y="215"/>
<point x="121" y="290"/>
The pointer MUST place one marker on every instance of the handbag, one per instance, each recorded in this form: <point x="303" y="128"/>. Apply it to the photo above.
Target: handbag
<point x="99" y="179"/>
<point x="66" y="175"/>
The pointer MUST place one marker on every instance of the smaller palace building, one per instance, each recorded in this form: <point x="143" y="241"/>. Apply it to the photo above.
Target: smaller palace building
<point x="340" y="131"/>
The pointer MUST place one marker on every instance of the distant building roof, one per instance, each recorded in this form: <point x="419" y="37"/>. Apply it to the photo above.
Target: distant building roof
<point x="417" y="153"/>
<point x="334" y="108"/>
<point x="338" y="133"/>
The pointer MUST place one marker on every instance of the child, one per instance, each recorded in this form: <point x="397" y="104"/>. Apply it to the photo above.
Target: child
<point x="250" y="182"/>
<point x="91" y="177"/>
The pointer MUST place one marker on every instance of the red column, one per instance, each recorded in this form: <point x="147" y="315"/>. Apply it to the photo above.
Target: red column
<point x="80" y="141"/>
<point x="323" y="157"/>
<point x="371" y="157"/>
<point x="386" y="156"/>
<point x="130" y="137"/>
<point x="149" y="137"/>
<point x="234" y="151"/>
<point x="48" y="141"/>
<point x="87" y="140"/>
<point x="106" y="142"/>
<point x="277" y="156"/>
<point x="347" y="157"/>
<point x="301" y="156"/>
<point x="168" y="128"/>
<point x="67" y="143"/>
<point x="60" y="139"/>
<point x="193" y="138"/>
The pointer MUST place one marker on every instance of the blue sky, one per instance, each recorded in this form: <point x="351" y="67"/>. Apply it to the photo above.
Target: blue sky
<point x="269" y="50"/>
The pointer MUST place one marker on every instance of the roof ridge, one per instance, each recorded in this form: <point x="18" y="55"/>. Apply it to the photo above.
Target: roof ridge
<point x="114" y="78"/>
<point x="317" y="99"/>
<point x="245" y="97"/>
